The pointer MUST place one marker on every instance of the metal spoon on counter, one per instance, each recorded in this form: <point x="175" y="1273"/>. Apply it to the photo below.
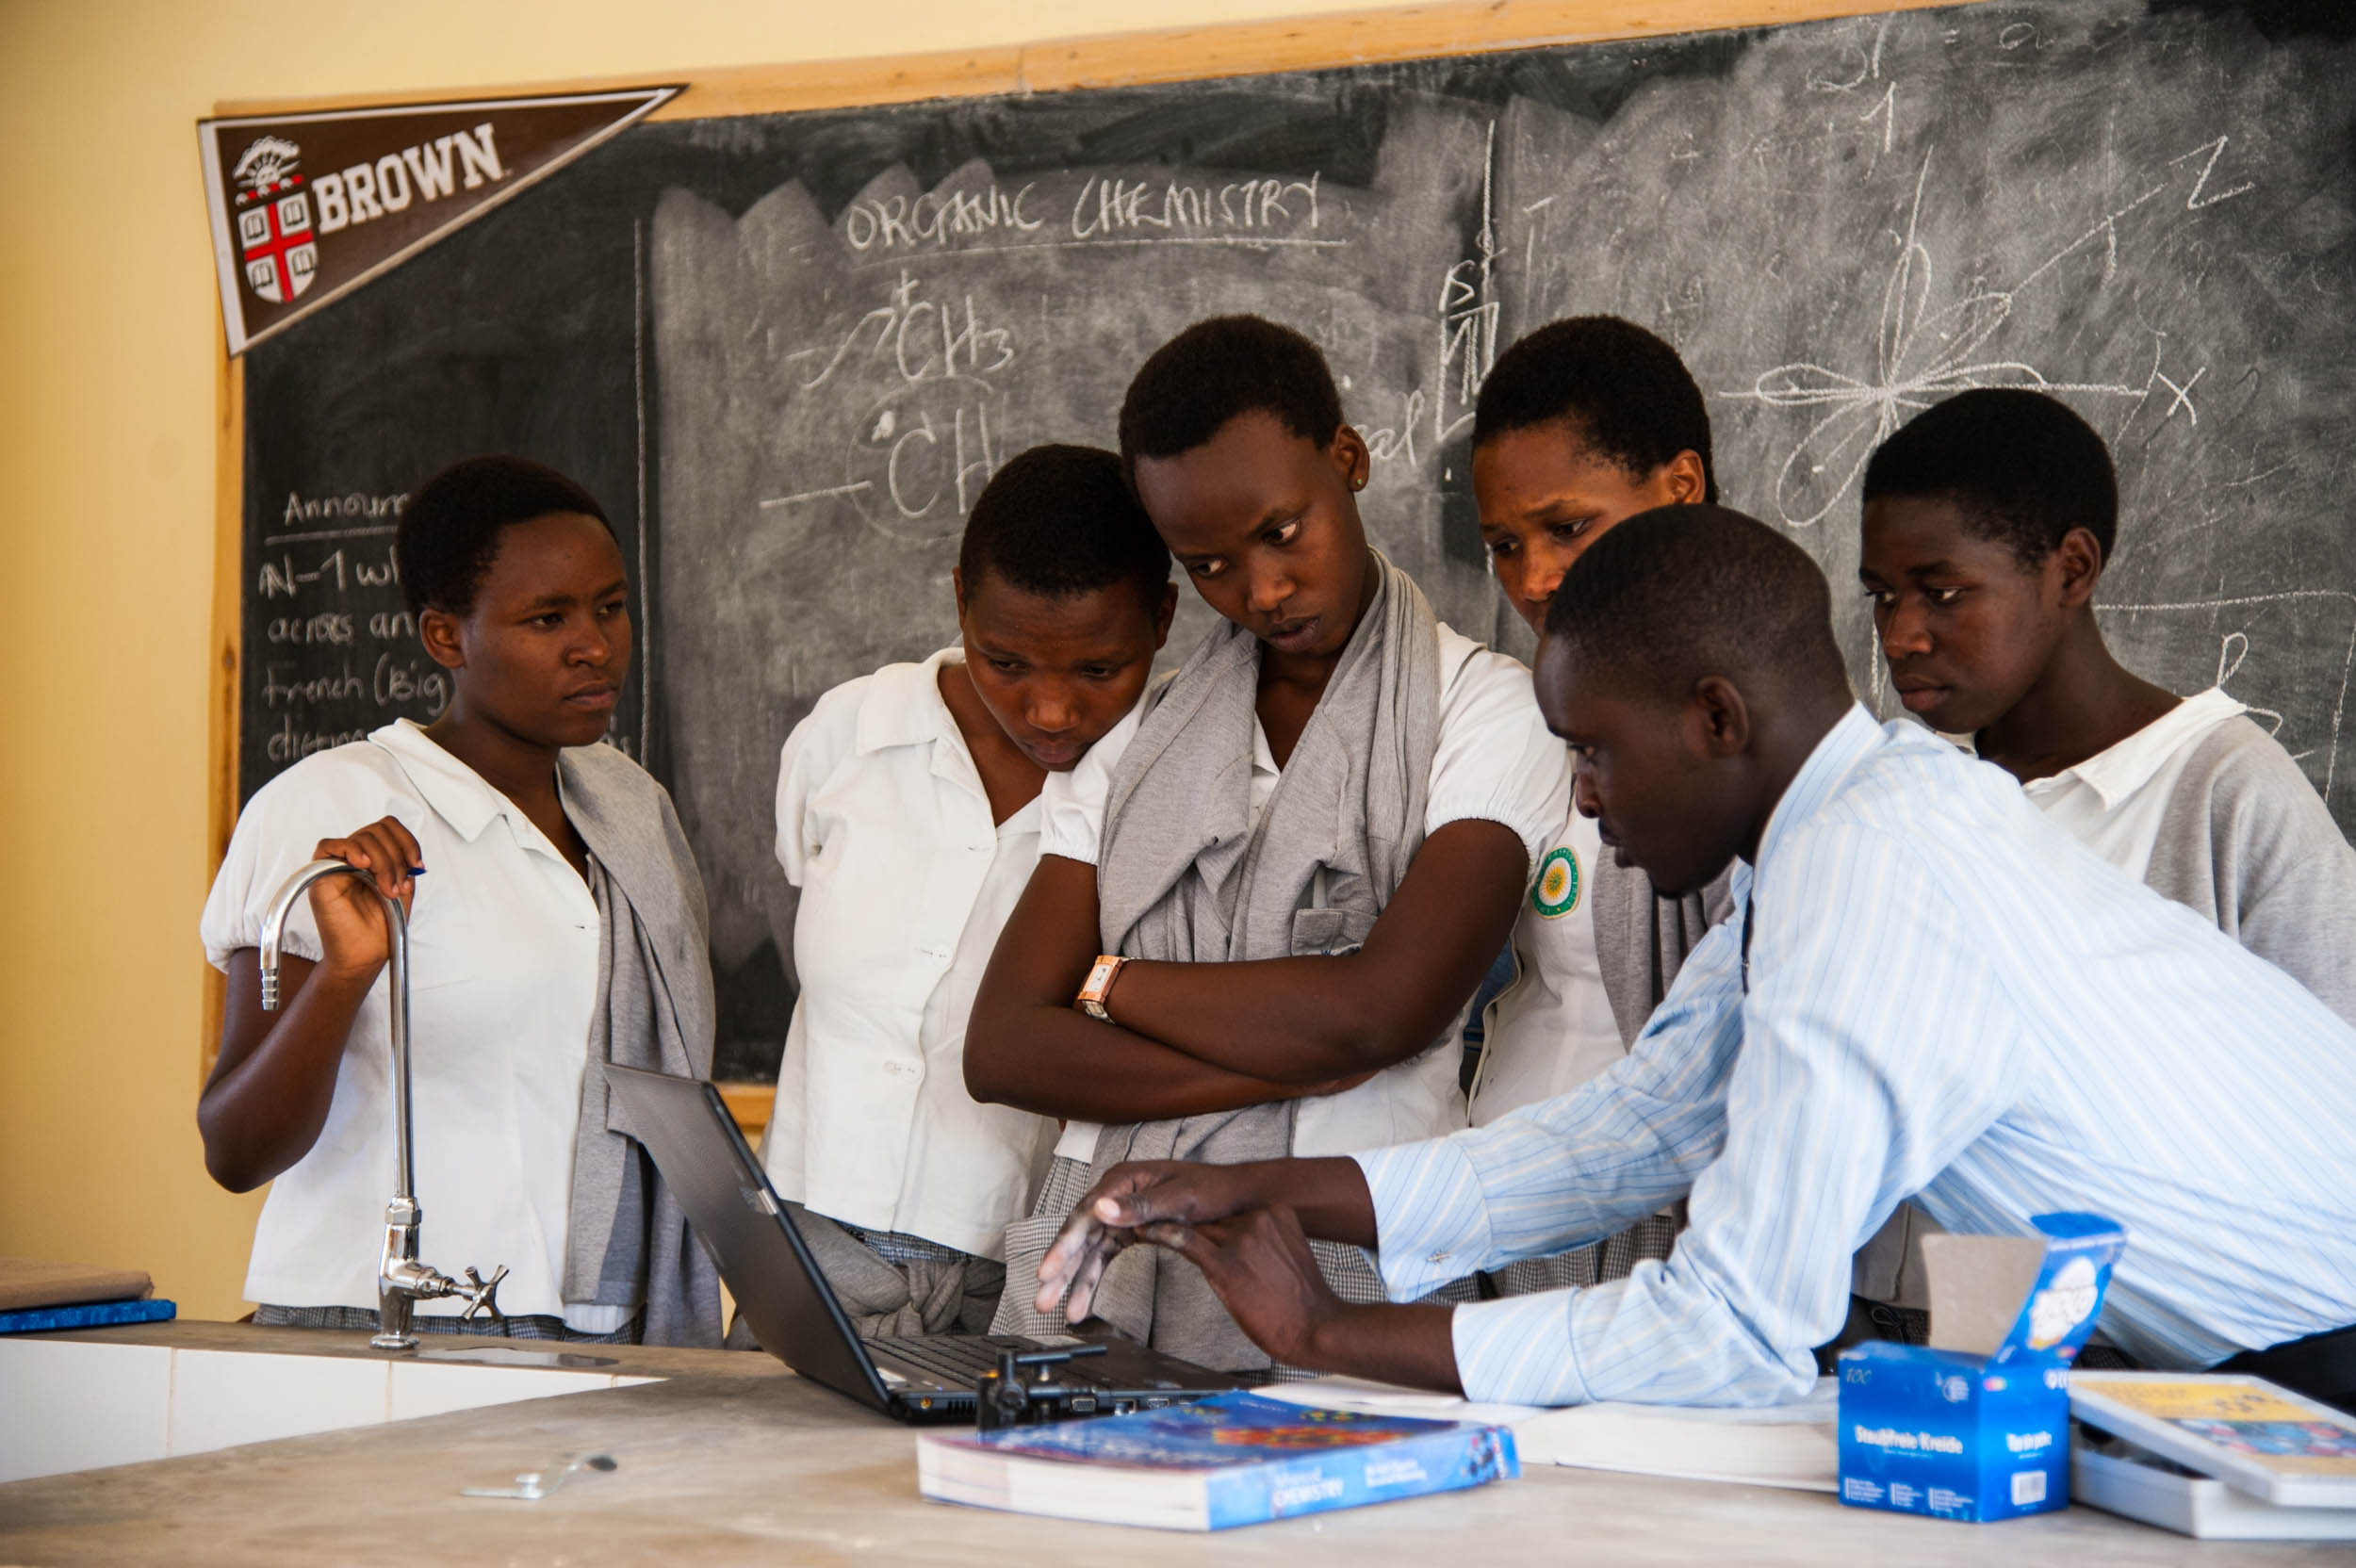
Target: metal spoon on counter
<point x="533" y="1485"/>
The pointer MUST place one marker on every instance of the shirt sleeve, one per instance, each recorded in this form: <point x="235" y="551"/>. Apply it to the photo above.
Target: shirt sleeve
<point x="2283" y="875"/>
<point x="1567" y="1171"/>
<point x="1071" y="804"/>
<point x="825" y="736"/>
<point x="329" y="796"/>
<point x="1873" y="1046"/>
<point x="1497" y="760"/>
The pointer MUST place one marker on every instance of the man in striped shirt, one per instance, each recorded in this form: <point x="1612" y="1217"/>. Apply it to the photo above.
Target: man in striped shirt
<point x="1929" y="991"/>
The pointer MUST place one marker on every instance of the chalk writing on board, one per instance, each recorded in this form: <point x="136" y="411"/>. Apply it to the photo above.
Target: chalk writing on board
<point x="1468" y="317"/>
<point x="921" y="338"/>
<point x="2235" y="648"/>
<point x="1921" y="356"/>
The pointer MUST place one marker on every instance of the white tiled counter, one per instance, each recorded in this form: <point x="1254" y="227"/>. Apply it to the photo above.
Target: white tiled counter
<point x="76" y="1404"/>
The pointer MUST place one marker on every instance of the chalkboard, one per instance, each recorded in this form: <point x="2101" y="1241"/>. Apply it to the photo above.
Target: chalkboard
<point x="786" y="349"/>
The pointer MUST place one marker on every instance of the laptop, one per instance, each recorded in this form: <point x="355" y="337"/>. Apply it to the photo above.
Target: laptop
<point x="777" y="1285"/>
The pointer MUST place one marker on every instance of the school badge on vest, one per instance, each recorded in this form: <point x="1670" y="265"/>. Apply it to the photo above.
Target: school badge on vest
<point x="1556" y="891"/>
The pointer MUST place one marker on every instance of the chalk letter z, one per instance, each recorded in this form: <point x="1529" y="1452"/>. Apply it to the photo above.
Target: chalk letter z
<point x="2216" y="149"/>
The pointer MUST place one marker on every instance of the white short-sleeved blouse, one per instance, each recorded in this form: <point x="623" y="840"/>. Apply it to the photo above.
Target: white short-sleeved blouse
<point x="503" y="939"/>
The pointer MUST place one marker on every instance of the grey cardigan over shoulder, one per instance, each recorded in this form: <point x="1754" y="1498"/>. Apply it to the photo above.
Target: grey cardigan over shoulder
<point x="1642" y="940"/>
<point x="2247" y="841"/>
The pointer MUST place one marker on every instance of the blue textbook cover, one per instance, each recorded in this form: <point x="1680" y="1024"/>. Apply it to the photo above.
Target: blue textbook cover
<point x="1234" y="1459"/>
<point x="86" y="1314"/>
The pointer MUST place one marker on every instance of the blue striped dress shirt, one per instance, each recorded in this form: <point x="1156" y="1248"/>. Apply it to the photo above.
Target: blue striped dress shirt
<point x="1951" y="1000"/>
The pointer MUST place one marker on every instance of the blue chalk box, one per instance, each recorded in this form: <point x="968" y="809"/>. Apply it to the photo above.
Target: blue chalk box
<point x="1975" y="1426"/>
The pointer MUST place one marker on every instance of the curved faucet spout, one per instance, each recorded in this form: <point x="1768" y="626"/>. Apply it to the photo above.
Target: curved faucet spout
<point x="401" y="1280"/>
<point x="274" y="934"/>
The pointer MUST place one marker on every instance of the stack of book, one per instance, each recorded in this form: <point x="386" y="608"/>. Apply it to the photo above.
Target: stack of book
<point x="36" y="1295"/>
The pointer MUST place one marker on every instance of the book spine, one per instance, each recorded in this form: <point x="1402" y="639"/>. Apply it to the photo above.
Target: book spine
<point x="93" y="1314"/>
<point x="1346" y="1477"/>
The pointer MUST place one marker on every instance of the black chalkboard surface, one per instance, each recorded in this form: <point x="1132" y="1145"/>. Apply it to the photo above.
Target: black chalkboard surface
<point x="786" y="350"/>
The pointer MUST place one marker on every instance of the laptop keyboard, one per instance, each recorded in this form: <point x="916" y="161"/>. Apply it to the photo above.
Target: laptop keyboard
<point x="959" y="1360"/>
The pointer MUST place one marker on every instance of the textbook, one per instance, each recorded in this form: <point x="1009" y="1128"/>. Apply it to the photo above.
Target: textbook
<point x="1792" y="1444"/>
<point x="84" y="1315"/>
<point x="2220" y="1455"/>
<point x="1795" y="1445"/>
<point x="1236" y="1459"/>
<point x="2112" y="1473"/>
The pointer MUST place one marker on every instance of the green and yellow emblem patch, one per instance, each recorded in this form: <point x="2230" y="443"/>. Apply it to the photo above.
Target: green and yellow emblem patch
<point x="1556" y="891"/>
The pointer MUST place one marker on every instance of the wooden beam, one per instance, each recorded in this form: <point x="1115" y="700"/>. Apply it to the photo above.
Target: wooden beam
<point x="1399" y="33"/>
<point x="1315" y="43"/>
<point x="224" y="651"/>
<point x="726" y="90"/>
<point x="750" y="1104"/>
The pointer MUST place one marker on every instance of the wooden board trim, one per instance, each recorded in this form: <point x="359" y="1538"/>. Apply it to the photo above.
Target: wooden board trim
<point x="1401" y="33"/>
<point x="223" y="652"/>
<point x="1313" y="43"/>
<point x="750" y="1104"/>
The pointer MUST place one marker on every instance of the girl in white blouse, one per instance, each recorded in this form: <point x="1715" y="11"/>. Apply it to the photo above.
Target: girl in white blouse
<point x="556" y="921"/>
<point x="909" y="816"/>
<point x="1582" y="424"/>
<point x="1281" y="884"/>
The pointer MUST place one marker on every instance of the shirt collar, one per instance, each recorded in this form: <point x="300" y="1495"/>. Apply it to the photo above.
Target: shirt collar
<point x="2119" y="770"/>
<point x="1848" y="743"/>
<point x="903" y="707"/>
<point x="458" y="794"/>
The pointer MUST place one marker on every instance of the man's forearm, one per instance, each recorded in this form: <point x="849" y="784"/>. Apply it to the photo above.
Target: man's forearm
<point x="1414" y="1346"/>
<point x="1329" y="1195"/>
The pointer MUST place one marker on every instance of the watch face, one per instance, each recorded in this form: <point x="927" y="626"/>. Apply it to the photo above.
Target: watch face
<point x="1097" y="976"/>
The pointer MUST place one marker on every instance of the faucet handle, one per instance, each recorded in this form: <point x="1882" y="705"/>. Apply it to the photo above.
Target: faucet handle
<point x="482" y="1294"/>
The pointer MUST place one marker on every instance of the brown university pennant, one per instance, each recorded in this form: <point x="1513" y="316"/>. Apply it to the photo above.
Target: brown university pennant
<point x="306" y="207"/>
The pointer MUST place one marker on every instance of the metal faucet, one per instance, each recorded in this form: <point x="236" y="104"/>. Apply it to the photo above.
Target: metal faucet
<point x="401" y="1280"/>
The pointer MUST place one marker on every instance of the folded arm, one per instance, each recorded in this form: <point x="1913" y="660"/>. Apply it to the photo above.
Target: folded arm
<point x="1304" y="1020"/>
<point x="1027" y="1046"/>
<point x="1194" y="1038"/>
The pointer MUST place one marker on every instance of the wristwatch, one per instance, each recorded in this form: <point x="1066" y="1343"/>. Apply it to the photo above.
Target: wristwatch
<point x="1098" y="986"/>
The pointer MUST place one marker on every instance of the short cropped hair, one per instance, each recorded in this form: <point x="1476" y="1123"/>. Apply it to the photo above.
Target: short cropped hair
<point x="2021" y="467"/>
<point x="1623" y="392"/>
<point x="449" y="532"/>
<point x="1192" y="385"/>
<point x="1055" y="521"/>
<point x="1682" y="592"/>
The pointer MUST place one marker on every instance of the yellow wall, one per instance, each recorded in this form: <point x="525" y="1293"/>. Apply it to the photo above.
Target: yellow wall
<point x="106" y="404"/>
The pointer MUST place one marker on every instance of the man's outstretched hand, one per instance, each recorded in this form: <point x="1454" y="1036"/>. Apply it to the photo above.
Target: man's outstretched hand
<point x="1261" y="1269"/>
<point x="1330" y="1196"/>
<point x="1142" y="1192"/>
<point x="1247" y="1228"/>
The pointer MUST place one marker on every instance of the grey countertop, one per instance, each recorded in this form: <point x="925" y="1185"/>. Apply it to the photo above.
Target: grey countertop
<point x="732" y="1459"/>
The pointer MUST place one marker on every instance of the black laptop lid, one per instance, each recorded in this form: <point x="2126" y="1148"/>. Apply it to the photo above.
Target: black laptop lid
<point x="685" y="1125"/>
